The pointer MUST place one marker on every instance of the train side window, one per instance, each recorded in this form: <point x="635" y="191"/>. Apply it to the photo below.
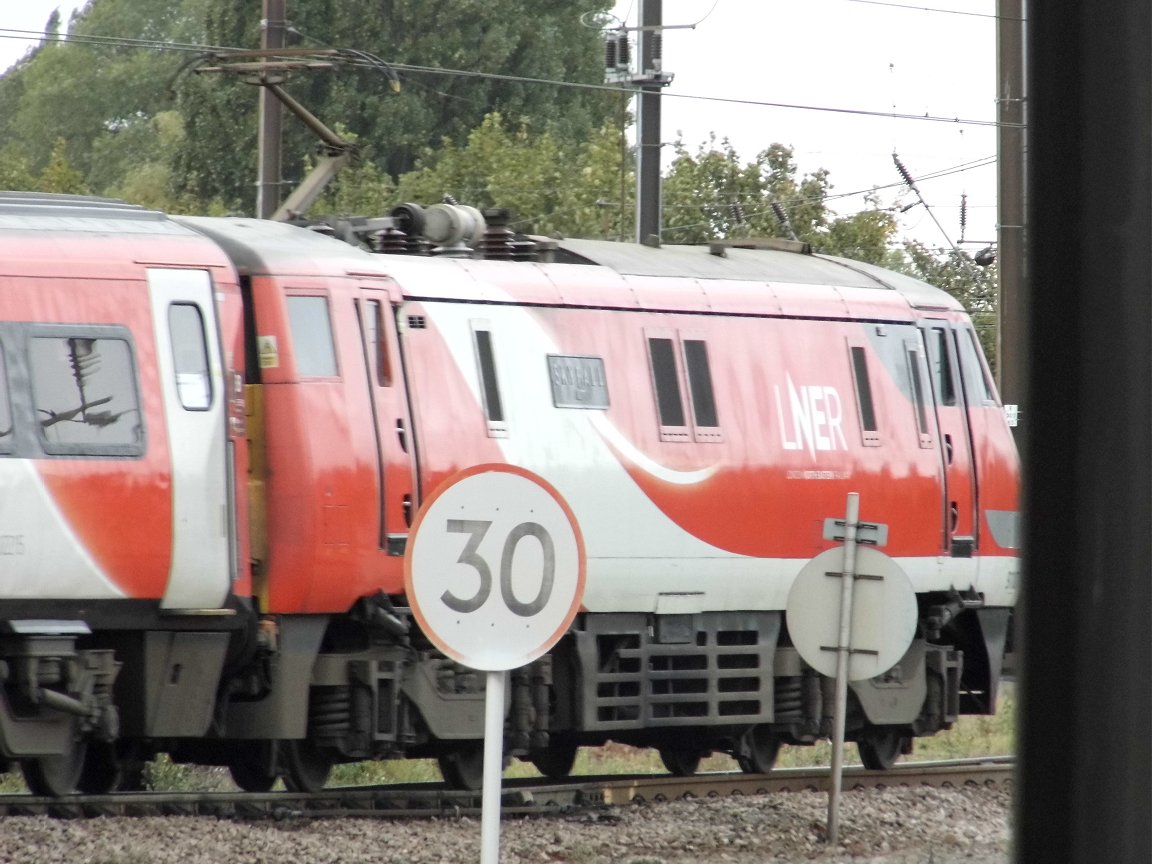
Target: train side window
<point x="865" y="405"/>
<point x="85" y="395"/>
<point x="6" y="427"/>
<point x="190" y="356"/>
<point x="699" y="420"/>
<point x="700" y="390"/>
<point x="312" y="343"/>
<point x="700" y="382"/>
<point x="666" y="379"/>
<point x="489" y="382"/>
<point x="916" y="380"/>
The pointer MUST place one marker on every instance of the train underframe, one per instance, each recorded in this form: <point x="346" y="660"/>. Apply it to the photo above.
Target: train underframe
<point x="290" y="697"/>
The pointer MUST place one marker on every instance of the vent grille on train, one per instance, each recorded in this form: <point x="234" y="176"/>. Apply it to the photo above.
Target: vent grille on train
<point x="637" y="672"/>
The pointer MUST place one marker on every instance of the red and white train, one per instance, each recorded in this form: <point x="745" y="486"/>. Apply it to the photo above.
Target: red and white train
<point x="215" y="434"/>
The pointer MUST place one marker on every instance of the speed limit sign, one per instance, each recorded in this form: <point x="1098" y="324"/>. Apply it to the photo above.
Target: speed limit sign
<point x="495" y="567"/>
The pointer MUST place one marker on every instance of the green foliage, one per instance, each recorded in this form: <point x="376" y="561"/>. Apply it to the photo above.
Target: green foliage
<point x="552" y="185"/>
<point x="104" y="101"/>
<point x="504" y="38"/>
<point x="711" y="194"/>
<point x="59" y="175"/>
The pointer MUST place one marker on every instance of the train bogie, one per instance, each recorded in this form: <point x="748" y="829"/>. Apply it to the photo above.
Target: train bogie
<point x="219" y="454"/>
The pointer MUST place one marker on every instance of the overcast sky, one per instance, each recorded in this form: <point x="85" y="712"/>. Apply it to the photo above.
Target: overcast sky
<point x="926" y="58"/>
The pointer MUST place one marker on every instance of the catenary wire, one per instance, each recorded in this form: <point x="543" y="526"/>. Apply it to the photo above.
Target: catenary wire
<point x="494" y="76"/>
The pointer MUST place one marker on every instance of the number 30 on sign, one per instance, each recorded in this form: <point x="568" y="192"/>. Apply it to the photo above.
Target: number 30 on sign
<point x="495" y="567"/>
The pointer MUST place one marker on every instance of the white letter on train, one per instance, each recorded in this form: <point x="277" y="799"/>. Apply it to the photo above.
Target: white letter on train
<point x="816" y="416"/>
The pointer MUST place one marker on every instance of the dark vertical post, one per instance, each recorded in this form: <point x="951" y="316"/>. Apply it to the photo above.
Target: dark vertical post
<point x="648" y="124"/>
<point x="1010" y="242"/>
<point x="268" y="188"/>
<point x="1085" y="733"/>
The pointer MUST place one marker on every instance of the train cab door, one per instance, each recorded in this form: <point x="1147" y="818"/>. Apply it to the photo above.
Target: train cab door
<point x="188" y="358"/>
<point x="393" y="424"/>
<point x="955" y="439"/>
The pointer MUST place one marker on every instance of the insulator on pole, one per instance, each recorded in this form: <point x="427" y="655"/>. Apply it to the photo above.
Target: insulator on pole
<point x="623" y="50"/>
<point x="610" y="52"/>
<point x="903" y="172"/>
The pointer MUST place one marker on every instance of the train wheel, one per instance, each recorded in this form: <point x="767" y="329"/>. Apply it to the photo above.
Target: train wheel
<point x="55" y="775"/>
<point x="252" y="770"/>
<point x="880" y="750"/>
<point x="762" y="749"/>
<point x="306" y="766"/>
<point x="103" y="769"/>
<point x="555" y="762"/>
<point x="682" y="763"/>
<point x="463" y="765"/>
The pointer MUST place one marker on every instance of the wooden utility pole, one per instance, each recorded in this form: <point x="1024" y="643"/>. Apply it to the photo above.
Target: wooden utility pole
<point x="272" y="29"/>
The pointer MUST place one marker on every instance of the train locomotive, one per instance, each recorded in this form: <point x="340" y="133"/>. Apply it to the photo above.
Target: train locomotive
<point x="216" y="434"/>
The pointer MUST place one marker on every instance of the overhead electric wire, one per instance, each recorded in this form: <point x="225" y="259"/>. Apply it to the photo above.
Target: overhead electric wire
<point x="934" y="9"/>
<point x="495" y="76"/>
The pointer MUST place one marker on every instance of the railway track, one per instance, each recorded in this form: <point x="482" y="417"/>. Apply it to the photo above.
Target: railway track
<point x="520" y="797"/>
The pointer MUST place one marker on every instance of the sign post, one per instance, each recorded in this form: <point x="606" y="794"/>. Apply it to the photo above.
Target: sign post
<point x="494" y="575"/>
<point x="874" y="625"/>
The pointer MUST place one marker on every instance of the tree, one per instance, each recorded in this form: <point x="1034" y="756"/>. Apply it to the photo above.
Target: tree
<point x="586" y="189"/>
<point x="85" y="94"/>
<point x="711" y="195"/>
<point x="59" y="176"/>
<point x="511" y="39"/>
<point x="553" y="186"/>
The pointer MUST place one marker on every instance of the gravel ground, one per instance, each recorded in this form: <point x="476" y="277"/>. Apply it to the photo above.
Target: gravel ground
<point x="899" y="826"/>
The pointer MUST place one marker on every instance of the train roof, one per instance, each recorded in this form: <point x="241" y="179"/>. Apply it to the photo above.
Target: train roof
<point x="42" y="211"/>
<point x="717" y="278"/>
<point x="64" y="236"/>
<point x="741" y="277"/>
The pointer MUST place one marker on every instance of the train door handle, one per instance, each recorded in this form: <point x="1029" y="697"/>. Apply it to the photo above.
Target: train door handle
<point x="954" y="513"/>
<point x="407" y="507"/>
<point x="948" y="448"/>
<point x="402" y="435"/>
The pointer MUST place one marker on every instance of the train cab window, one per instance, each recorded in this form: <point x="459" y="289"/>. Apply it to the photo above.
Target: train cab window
<point x="190" y="356"/>
<point x="85" y="395"/>
<point x="489" y="382"/>
<point x="312" y="336"/>
<point x="916" y="381"/>
<point x="865" y="405"/>
<point x="373" y="324"/>
<point x="6" y="426"/>
<point x="977" y="381"/>
<point x="940" y="366"/>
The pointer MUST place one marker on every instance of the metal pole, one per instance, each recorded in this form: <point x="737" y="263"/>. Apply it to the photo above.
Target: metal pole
<point x="493" y="767"/>
<point x="271" y="111"/>
<point x="843" y="650"/>
<point x="1012" y="303"/>
<point x="648" y="202"/>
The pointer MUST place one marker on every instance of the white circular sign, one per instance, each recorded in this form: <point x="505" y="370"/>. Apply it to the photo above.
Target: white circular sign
<point x="495" y="567"/>
<point x="883" y="613"/>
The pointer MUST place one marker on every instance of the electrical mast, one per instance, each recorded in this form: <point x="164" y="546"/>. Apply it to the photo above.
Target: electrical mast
<point x="268" y="189"/>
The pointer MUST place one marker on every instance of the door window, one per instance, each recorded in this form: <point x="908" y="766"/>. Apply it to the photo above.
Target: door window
<point x="190" y="356"/>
